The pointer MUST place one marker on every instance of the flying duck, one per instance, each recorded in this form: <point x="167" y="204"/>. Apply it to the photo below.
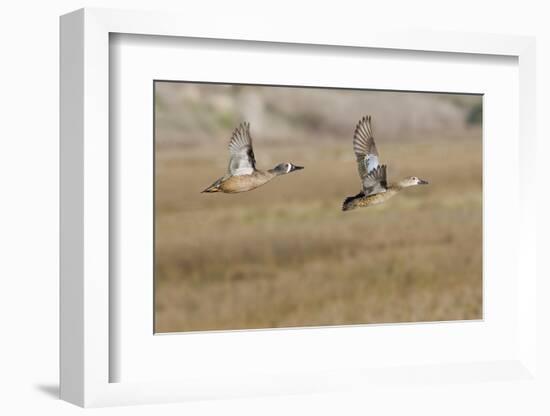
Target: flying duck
<point x="242" y="174"/>
<point x="375" y="189"/>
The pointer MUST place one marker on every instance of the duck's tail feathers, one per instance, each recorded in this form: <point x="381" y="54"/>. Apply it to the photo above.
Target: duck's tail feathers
<point x="210" y="190"/>
<point x="349" y="202"/>
<point x="215" y="187"/>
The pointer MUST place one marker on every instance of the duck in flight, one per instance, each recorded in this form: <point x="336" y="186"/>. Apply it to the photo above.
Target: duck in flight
<point x="242" y="174"/>
<point x="375" y="189"/>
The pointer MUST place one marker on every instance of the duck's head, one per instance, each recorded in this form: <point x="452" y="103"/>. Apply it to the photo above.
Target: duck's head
<point x="284" y="168"/>
<point x="412" y="181"/>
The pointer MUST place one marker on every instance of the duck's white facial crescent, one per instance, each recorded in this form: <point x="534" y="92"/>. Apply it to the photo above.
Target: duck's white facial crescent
<point x="288" y="168"/>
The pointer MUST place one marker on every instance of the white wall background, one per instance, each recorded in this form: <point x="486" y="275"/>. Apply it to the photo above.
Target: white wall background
<point x="29" y="198"/>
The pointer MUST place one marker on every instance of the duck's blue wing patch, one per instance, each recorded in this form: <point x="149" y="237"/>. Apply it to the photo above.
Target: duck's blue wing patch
<point x="371" y="163"/>
<point x="375" y="182"/>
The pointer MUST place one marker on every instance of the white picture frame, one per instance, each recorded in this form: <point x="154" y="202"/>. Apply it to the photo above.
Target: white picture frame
<point x="87" y="327"/>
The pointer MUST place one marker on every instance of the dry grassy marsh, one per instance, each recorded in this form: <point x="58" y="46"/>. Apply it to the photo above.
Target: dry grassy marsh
<point x="286" y="255"/>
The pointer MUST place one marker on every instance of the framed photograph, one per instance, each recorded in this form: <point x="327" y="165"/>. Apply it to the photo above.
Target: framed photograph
<point x="292" y="254"/>
<point x="280" y="213"/>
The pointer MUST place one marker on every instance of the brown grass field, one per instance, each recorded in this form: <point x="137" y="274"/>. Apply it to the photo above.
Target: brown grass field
<point x="285" y="254"/>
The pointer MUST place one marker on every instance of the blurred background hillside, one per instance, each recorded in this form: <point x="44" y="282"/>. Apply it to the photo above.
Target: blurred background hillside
<point x="192" y="114"/>
<point x="284" y="254"/>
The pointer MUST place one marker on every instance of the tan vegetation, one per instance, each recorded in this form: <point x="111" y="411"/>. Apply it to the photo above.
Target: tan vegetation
<point x="286" y="255"/>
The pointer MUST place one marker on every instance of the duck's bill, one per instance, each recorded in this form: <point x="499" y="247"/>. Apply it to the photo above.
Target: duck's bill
<point x="423" y="182"/>
<point x="294" y="167"/>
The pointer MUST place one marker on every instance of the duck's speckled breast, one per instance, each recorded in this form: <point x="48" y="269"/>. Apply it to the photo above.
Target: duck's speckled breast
<point x="243" y="183"/>
<point x="367" y="201"/>
<point x="375" y="199"/>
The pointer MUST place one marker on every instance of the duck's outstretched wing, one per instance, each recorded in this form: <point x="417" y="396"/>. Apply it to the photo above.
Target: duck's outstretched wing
<point x="364" y="147"/>
<point x="372" y="174"/>
<point x="242" y="160"/>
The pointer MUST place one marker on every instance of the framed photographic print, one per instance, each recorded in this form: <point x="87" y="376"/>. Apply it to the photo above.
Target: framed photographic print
<point x="266" y="213"/>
